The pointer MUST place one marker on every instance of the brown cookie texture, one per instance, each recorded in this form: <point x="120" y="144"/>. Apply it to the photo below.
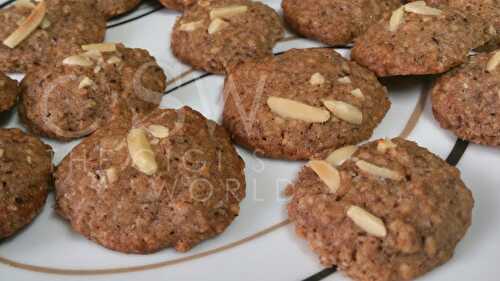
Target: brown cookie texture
<point x="178" y="5"/>
<point x="9" y="91"/>
<point x="171" y="179"/>
<point x="335" y="22"/>
<point x="467" y="100"/>
<point x="214" y="35"/>
<point x="80" y="93"/>
<point x="113" y="8"/>
<point x="66" y="22"/>
<point x="489" y="10"/>
<point x="433" y="2"/>
<point x="419" y="43"/>
<point x="25" y="172"/>
<point x="395" y="211"/>
<point x="279" y="106"/>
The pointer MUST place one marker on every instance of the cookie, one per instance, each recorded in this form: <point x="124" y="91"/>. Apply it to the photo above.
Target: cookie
<point x="467" y="100"/>
<point x="391" y="211"/>
<point x="215" y="35"/>
<point x="25" y="172"/>
<point x="8" y="92"/>
<point x="489" y="10"/>
<point x="335" y="22"/>
<point x="178" y="5"/>
<point x="172" y="179"/>
<point x="96" y="84"/>
<point x="302" y="104"/>
<point x="419" y="39"/>
<point x="113" y="8"/>
<point x="56" y="24"/>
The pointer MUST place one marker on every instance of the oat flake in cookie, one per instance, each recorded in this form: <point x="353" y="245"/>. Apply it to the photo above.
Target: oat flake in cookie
<point x="25" y="172"/>
<point x="172" y="179"/>
<point x="418" y="39"/>
<point x="335" y="22"/>
<point x="396" y="211"/>
<point x="302" y="104"/>
<point x="467" y="100"/>
<point x="96" y="83"/>
<point x="32" y="34"/>
<point x="214" y="35"/>
<point x="8" y="92"/>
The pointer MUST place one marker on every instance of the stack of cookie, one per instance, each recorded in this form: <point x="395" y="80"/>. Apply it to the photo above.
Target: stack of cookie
<point x="146" y="178"/>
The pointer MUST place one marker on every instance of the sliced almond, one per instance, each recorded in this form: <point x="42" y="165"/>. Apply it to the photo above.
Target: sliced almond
<point x="344" y="80"/>
<point x="86" y="82"/>
<point x="340" y="155"/>
<point x="227" y="12"/>
<point x="78" y="60"/>
<point x="191" y="26"/>
<point x="327" y="173"/>
<point x="378" y="171"/>
<point x="93" y="54"/>
<point x="420" y="8"/>
<point x="397" y="19"/>
<point x="101" y="47"/>
<point x="344" y="111"/>
<point x="141" y="153"/>
<point x="384" y="145"/>
<point x="317" y="79"/>
<point x="366" y="221"/>
<point x="357" y="93"/>
<point x="28" y="26"/>
<point x="288" y="108"/>
<point x="217" y="25"/>
<point x="24" y="4"/>
<point x="159" y="131"/>
<point x="493" y="62"/>
<point x="113" y="60"/>
<point x="417" y="3"/>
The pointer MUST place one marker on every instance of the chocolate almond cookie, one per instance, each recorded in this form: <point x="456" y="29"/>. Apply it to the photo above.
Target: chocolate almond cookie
<point x="419" y="39"/>
<point x="33" y="33"/>
<point x="467" y="100"/>
<point x="391" y="211"/>
<point x="302" y="104"/>
<point x="9" y="91"/>
<point x="335" y="22"/>
<point x="172" y="179"/>
<point x="25" y="172"/>
<point x="95" y="84"/>
<point x="214" y="35"/>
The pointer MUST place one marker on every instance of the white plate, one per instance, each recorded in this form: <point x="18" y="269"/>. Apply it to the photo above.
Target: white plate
<point x="260" y="244"/>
